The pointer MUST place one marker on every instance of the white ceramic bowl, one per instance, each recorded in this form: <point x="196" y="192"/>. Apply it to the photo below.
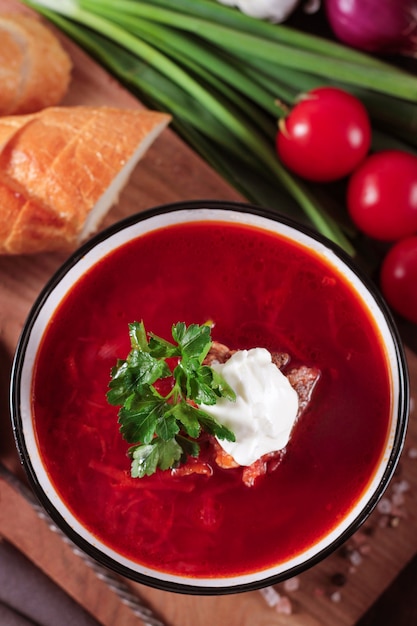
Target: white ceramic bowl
<point x="81" y="262"/>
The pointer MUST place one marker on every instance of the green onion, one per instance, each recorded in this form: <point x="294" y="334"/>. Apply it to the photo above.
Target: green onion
<point x="226" y="78"/>
<point x="210" y="10"/>
<point x="371" y="76"/>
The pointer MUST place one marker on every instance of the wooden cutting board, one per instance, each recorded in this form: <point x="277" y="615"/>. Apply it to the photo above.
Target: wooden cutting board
<point x="169" y="172"/>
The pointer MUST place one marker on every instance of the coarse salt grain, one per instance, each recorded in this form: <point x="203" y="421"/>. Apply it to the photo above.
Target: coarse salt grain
<point x="271" y="596"/>
<point x="292" y="584"/>
<point x="384" y="506"/>
<point x="355" y="558"/>
<point x="336" y="596"/>
<point x="284" y="606"/>
<point x="401" y="486"/>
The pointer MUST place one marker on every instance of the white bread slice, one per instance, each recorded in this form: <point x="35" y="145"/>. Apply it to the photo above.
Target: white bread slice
<point x="63" y="169"/>
<point x="35" y="70"/>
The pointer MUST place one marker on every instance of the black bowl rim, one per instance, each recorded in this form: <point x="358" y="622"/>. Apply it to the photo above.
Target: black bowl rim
<point x="188" y="587"/>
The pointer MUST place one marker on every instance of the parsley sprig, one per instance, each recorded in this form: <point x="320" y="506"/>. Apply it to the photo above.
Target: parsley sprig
<point x="164" y="428"/>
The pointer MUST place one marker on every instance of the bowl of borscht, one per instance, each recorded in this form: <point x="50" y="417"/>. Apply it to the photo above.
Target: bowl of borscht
<point x="209" y="398"/>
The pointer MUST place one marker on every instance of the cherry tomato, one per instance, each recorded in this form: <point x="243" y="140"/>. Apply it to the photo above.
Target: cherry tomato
<point x="382" y="195"/>
<point x="325" y="136"/>
<point x="398" y="277"/>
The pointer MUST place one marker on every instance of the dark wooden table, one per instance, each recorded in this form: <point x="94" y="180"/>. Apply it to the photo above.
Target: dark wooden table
<point x="18" y="286"/>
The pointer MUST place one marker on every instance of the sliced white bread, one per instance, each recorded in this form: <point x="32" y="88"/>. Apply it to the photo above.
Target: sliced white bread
<point x="35" y="70"/>
<point x="62" y="169"/>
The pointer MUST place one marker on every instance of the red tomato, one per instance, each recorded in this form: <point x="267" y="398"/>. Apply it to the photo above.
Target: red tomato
<point x="399" y="277"/>
<point x="325" y="136"/>
<point x="382" y="195"/>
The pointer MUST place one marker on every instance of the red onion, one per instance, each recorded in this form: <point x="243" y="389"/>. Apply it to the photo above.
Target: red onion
<point x="380" y="26"/>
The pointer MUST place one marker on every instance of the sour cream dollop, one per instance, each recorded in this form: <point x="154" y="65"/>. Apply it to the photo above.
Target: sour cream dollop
<point x="265" y="409"/>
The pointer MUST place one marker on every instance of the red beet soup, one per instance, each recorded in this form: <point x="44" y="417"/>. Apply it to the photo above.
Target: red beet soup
<point x="261" y="290"/>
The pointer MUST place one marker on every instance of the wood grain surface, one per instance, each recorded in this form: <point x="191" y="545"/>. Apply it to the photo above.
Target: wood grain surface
<point x="170" y="172"/>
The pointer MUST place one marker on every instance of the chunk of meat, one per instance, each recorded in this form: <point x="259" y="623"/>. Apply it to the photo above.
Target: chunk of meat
<point x="193" y="466"/>
<point x="218" y="353"/>
<point x="223" y="459"/>
<point x="280" y="359"/>
<point x="251" y="472"/>
<point x="303" y="379"/>
<point x="267" y="463"/>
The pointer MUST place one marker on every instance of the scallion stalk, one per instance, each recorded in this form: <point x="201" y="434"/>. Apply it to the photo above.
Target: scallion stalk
<point x="212" y="68"/>
<point x="211" y="10"/>
<point x="244" y="132"/>
<point x="398" y="115"/>
<point x="226" y="78"/>
<point x="372" y="76"/>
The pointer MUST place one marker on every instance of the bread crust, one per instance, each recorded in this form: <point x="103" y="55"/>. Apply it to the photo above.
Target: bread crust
<point x="35" y="70"/>
<point x="57" y="167"/>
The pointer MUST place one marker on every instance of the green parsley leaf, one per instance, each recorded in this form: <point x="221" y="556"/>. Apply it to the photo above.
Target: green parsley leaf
<point x="194" y="341"/>
<point x="187" y="415"/>
<point x="189" y="447"/>
<point x="121" y="387"/>
<point x="163" y="429"/>
<point x="161" y="348"/>
<point x="147" y="458"/>
<point x="138" y="338"/>
<point x="139" y="421"/>
<point x="146" y="368"/>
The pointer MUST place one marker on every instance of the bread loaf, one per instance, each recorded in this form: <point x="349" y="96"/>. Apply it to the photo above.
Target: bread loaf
<point x="62" y="169"/>
<point x="35" y="70"/>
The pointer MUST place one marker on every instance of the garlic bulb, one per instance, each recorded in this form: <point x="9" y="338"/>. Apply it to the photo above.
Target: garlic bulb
<point x="272" y="10"/>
